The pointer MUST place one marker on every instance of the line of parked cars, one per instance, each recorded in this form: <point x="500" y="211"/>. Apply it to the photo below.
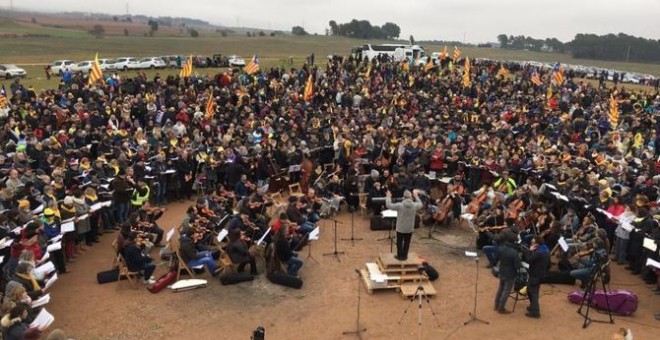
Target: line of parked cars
<point x="9" y="71"/>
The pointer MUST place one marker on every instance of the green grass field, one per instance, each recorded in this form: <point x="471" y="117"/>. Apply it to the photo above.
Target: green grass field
<point x="33" y="53"/>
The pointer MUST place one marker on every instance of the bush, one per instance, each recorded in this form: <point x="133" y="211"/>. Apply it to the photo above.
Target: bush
<point x="194" y="33"/>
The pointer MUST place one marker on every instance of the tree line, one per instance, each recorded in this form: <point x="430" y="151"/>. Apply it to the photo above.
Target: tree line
<point x="615" y="47"/>
<point x="363" y="29"/>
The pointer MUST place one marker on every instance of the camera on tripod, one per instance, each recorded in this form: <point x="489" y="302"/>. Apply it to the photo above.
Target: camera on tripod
<point x="259" y="333"/>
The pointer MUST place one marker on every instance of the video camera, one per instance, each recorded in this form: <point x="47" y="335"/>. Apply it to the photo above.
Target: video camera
<point x="259" y="333"/>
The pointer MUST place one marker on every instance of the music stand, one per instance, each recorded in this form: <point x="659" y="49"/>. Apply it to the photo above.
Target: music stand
<point x="473" y="313"/>
<point x="312" y="235"/>
<point x="335" y="253"/>
<point x="352" y="238"/>
<point x="390" y="214"/>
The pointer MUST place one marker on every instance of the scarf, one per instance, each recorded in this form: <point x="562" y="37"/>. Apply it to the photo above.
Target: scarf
<point x="92" y="197"/>
<point x="67" y="209"/>
<point x="29" y="278"/>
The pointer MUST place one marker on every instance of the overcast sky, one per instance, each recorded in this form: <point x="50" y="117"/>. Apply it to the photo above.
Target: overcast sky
<point x="476" y="20"/>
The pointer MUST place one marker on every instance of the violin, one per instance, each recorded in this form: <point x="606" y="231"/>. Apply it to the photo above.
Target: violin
<point x="485" y="229"/>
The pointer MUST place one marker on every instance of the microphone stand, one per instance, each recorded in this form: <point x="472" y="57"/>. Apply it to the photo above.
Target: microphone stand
<point x="473" y="314"/>
<point x="353" y="238"/>
<point x="335" y="253"/>
<point x="358" y="331"/>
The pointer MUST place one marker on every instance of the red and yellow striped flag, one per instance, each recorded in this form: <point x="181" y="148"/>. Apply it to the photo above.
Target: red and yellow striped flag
<point x="253" y="66"/>
<point x="429" y="65"/>
<point x="558" y="74"/>
<point x="443" y="54"/>
<point x="614" y="112"/>
<point x="186" y="71"/>
<point x="210" y="107"/>
<point x="3" y="97"/>
<point x="466" y="73"/>
<point x="502" y="72"/>
<point x="536" y="79"/>
<point x="309" y="88"/>
<point x="95" y="73"/>
<point x="457" y="53"/>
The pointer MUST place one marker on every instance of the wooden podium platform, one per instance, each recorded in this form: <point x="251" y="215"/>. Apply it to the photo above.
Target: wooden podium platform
<point x="390" y="273"/>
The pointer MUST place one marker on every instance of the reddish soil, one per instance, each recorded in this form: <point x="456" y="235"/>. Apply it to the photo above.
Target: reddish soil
<point x="325" y="306"/>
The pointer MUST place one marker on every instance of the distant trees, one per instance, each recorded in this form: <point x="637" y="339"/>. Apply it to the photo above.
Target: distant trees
<point x="262" y="34"/>
<point x="298" y="30"/>
<point x="97" y="31"/>
<point x="193" y="33"/>
<point x="126" y="32"/>
<point x="620" y="47"/>
<point x="363" y="29"/>
<point x="153" y="26"/>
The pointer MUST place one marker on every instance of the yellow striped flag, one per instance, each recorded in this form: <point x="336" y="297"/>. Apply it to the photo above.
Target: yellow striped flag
<point x="502" y="72"/>
<point x="210" y="107"/>
<point x="558" y="74"/>
<point x="309" y="88"/>
<point x="548" y="96"/>
<point x="466" y="73"/>
<point x="405" y="66"/>
<point x="368" y="73"/>
<point x="429" y="65"/>
<point x="614" y="112"/>
<point x="457" y="53"/>
<point x="186" y="71"/>
<point x="443" y="54"/>
<point x="95" y="73"/>
<point x="3" y="97"/>
<point x="536" y="79"/>
<point x="253" y="66"/>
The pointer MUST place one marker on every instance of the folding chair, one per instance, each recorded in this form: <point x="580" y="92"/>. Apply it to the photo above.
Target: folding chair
<point x="278" y="203"/>
<point x="133" y="277"/>
<point x="295" y="190"/>
<point x="362" y="198"/>
<point x="184" y="266"/>
<point x="226" y="264"/>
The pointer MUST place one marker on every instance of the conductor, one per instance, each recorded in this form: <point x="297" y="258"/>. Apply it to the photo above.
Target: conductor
<point x="405" y="222"/>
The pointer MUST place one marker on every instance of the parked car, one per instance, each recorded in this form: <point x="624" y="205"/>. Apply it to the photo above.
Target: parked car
<point x="126" y="63"/>
<point x="234" y="60"/>
<point x="151" y="62"/>
<point x="12" y="71"/>
<point x="83" y="66"/>
<point x="198" y="61"/>
<point x="219" y="61"/>
<point x="172" y="61"/>
<point x="107" y="64"/>
<point x="58" y="66"/>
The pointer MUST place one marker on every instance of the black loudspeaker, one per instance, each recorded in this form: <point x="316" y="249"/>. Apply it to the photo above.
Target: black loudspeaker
<point x="286" y="280"/>
<point x="378" y="223"/>
<point x="230" y="279"/>
<point x="108" y="276"/>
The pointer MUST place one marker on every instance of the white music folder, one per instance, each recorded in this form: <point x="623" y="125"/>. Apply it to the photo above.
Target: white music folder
<point x="389" y="213"/>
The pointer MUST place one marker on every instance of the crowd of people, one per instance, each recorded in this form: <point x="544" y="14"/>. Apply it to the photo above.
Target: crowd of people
<point x="535" y="161"/>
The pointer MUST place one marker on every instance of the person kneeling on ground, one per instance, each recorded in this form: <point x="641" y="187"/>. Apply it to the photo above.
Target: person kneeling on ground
<point x="191" y="256"/>
<point x="285" y="254"/>
<point x="239" y="253"/>
<point x="136" y="261"/>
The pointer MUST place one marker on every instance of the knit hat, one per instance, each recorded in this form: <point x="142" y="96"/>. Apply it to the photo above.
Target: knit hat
<point x="68" y="200"/>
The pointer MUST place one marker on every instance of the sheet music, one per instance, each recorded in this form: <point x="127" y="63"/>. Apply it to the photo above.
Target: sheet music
<point x="445" y="180"/>
<point x="314" y="234"/>
<point x="261" y="240"/>
<point x="44" y="319"/>
<point x="652" y="263"/>
<point x="6" y="242"/>
<point x="650" y="244"/>
<point x="51" y="281"/>
<point x="45" y="257"/>
<point x="563" y="244"/>
<point x="96" y="206"/>
<point x="606" y="213"/>
<point x="389" y="213"/>
<point x="551" y="186"/>
<point x="168" y="172"/>
<point x="67" y="227"/>
<point x="169" y="235"/>
<point x="471" y="253"/>
<point x="560" y="196"/>
<point x="40" y="301"/>
<point x="55" y="239"/>
<point x="45" y="269"/>
<point x="82" y="217"/>
<point x="38" y="210"/>
<point x="627" y="226"/>
<point x="54" y="247"/>
<point x="223" y="233"/>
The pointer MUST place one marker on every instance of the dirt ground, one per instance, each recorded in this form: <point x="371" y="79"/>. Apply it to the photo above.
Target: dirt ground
<point x="326" y="305"/>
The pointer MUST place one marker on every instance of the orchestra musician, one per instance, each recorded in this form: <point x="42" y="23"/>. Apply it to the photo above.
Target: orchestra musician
<point x="188" y="243"/>
<point x="239" y="253"/>
<point x="313" y="203"/>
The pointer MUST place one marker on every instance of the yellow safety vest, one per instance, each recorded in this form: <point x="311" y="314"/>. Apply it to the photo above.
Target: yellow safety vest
<point x="138" y="199"/>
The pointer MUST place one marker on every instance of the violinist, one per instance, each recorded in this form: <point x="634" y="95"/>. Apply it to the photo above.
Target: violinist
<point x="295" y="214"/>
<point x="244" y="187"/>
<point x="284" y="252"/>
<point x="238" y="252"/>
<point x="188" y="242"/>
<point x="136" y="261"/>
<point x="313" y="203"/>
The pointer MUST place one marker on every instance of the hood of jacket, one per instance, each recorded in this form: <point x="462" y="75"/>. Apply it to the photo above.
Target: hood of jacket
<point x="6" y="322"/>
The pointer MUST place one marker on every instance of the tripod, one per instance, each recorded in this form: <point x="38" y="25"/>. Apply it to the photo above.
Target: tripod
<point x="596" y="275"/>
<point x="473" y="314"/>
<point x="358" y="331"/>
<point x="390" y="237"/>
<point x="419" y="293"/>
<point x="335" y="253"/>
<point x="353" y="238"/>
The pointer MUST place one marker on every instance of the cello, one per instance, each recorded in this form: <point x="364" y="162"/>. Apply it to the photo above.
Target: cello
<point x="475" y="205"/>
<point x="445" y="207"/>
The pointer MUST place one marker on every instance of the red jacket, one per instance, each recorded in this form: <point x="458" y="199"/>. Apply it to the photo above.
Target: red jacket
<point x="437" y="160"/>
